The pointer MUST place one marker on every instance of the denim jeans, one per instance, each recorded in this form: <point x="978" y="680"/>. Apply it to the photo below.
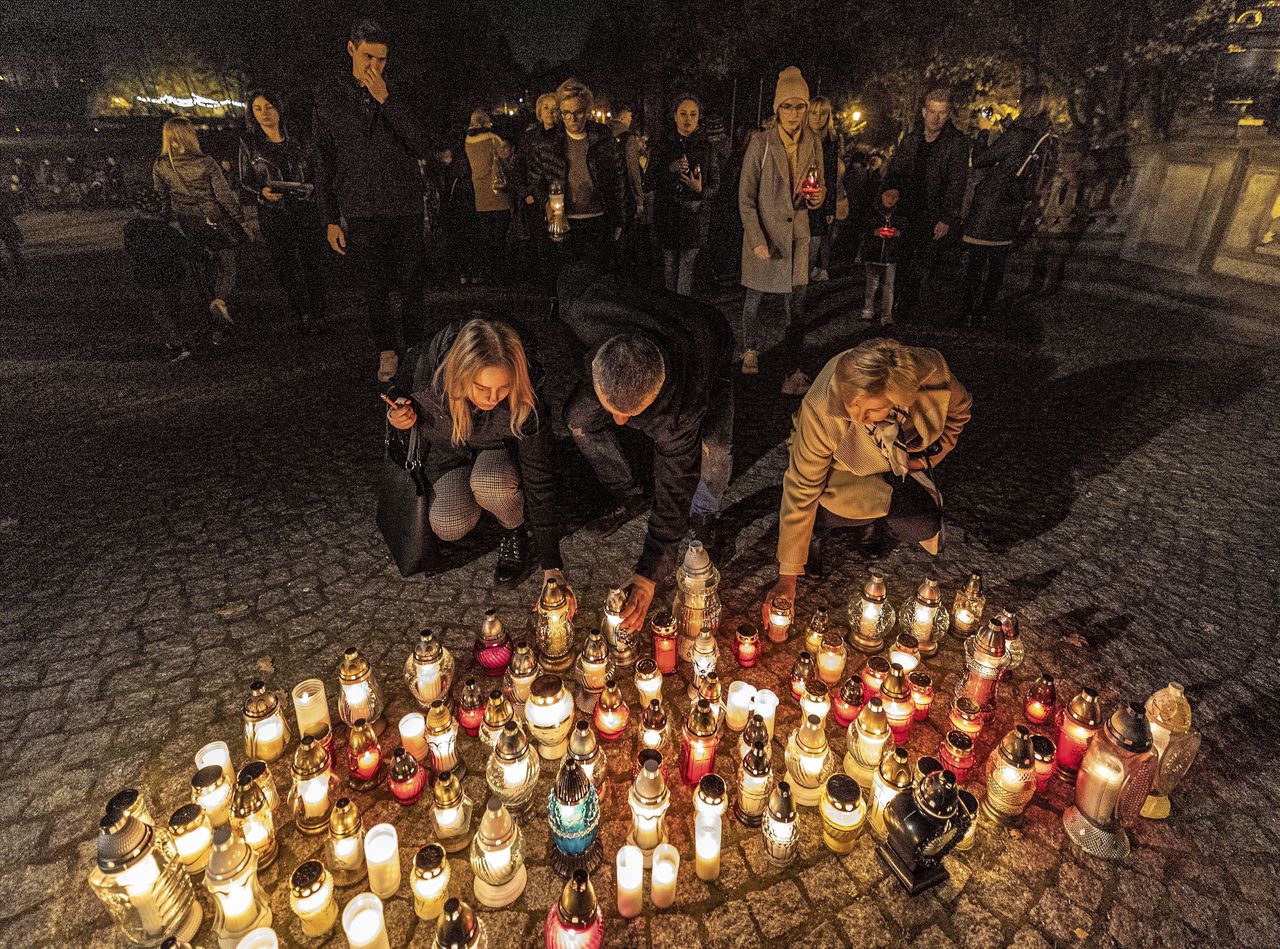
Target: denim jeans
<point x="677" y="270"/>
<point x="879" y="283"/>
<point x="984" y="275"/>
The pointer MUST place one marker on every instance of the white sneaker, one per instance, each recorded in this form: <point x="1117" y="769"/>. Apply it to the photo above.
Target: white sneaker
<point x="219" y="310"/>
<point x="388" y="363"/>
<point x="818" y="275"/>
<point x="750" y="362"/>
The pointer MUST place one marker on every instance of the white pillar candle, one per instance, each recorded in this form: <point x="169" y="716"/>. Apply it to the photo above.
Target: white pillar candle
<point x="310" y="707"/>
<point x="662" y="882"/>
<point x="217" y="752"/>
<point x="831" y="666"/>
<point x="737" y="705"/>
<point x="765" y="704"/>
<point x="239" y="909"/>
<point x="649" y="686"/>
<point x="264" y="937"/>
<point x="706" y="842"/>
<point x="413" y="736"/>
<point x="363" y="923"/>
<point x="382" y="854"/>
<point x="630" y="881"/>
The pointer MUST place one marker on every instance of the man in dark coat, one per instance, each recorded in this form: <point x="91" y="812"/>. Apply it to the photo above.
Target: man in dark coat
<point x="927" y="177"/>
<point x="660" y="364"/>
<point x="368" y="142"/>
<point x="583" y="156"/>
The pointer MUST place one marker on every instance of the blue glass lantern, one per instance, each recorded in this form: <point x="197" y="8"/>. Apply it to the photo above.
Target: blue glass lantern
<point x="573" y="809"/>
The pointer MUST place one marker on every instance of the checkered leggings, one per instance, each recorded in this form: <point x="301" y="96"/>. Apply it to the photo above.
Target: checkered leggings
<point x="492" y="483"/>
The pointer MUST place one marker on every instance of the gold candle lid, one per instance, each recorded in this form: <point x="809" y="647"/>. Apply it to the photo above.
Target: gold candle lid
<point x="546" y="689"/>
<point x="354" y="667"/>
<point x="920" y="681"/>
<point x="344" y="819"/>
<point x="875" y="590"/>
<point x="186" y="819"/>
<point x="712" y="790"/>
<point x="662" y="624"/>
<point x="491" y="630"/>
<point x="309" y="758"/>
<point x="842" y="793"/>
<point x="895" y="684"/>
<point x="654" y="718"/>
<point x="748" y="632"/>
<point x="261" y="703"/>
<point x="594" y="649"/>
<point x="498" y="710"/>
<point x="428" y="648"/>
<point x="457" y="928"/>
<point x="308" y="879"/>
<point x="447" y="791"/>
<point x="497" y="826"/>
<point x="702" y="721"/>
<point x="1086" y="709"/>
<point x="248" y="798"/>
<point x="577" y="907"/>
<point x="438" y="717"/>
<point x="362" y="737"/>
<point x="429" y="861"/>
<point x="1015" y="747"/>
<point x="895" y="769"/>
<point x="512" y="744"/>
<point x="122" y="841"/>
<point x="810" y="736"/>
<point x="207" y="778"/>
<point x="756" y="762"/>
<point x="872" y="720"/>
<point x="610" y="698"/>
<point x="523" y="661"/>
<point x="782" y="806"/>
<point x="403" y="766"/>
<point x="928" y="592"/>
<point x="552" y="598"/>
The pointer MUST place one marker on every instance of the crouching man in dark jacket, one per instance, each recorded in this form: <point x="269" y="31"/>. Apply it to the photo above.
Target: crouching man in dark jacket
<point x="660" y="364"/>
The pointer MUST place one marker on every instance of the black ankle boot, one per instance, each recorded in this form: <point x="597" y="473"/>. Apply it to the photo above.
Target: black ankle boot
<point x="513" y="558"/>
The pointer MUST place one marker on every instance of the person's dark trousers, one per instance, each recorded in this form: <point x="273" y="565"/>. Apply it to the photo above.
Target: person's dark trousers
<point x="983" y="278"/>
<point x="11" y="237"/>
<point x="913" y="514"/>
<point x="590" y="241"/>
<point x="918" y="256"/>
<point x="717" y="446"/>
<point x="389" y="252"/>
<point x="494" y="227"/>
<point x="792" y="348"/>
<point x="294" y="237"/>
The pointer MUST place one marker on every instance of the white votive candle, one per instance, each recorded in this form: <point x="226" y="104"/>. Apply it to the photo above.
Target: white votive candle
<point x="264" y="937"/>
<point x="310" y="707"/>
<point x="382" y="854"/>
<point x="706" y="843"/>
<point x="413" y="736"/>
<point x="765" y="704"/>
<point x="662" y="882"/>
<point x="363" y="923"/>
<point x="217" y="752"/>
<point x="737" y="705"/>
<point x="630" y="881"/>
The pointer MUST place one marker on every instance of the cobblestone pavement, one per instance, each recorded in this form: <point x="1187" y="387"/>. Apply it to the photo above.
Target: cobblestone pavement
<point x="169" y="532"/>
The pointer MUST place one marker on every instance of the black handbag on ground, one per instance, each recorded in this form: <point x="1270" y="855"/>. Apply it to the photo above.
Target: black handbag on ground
<point x="404" y="497"/>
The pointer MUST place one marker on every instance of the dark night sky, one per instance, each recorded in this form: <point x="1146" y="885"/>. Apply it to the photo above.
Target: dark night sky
<point x="550" y="30"/>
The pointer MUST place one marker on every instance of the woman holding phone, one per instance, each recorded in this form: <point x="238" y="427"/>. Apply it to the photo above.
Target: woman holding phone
<point x="477" y="401"/>
<point x="277" y="170"/>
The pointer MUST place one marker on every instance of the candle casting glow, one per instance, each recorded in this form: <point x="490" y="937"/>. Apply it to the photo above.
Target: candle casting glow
<point x="698" y="746"/>
<point x="746" y="645"/>
<point x="344" y="845"/>
<point x="451" y="816"/>
<point x="846" y="703"/>
<point x="1046" y="755"/>
<point x="891" y="778"/>
<point x="781" y="834"/>
<point x="867" y="738"/>
<point x="697" y="603"/>
<point x="969" y="604"/>
<point x="924" y="616"/>
<point x="498" y="710"/>
<point x="413" y="736"/>
<point x="573" y="810"/>
<point x="359" y="695"/>
<point x="738" y="704"/>
<point x="611" y="712"/>
<point x="253" y="820"/>
<point x="1011" y="779"/>
<point x="870" y="616"/>
<point x="497" y="858"/>
<point x="755" y="781"/>
<point x="311" y="707"/>
<point x="765" y="704"/>
<point x="575" y="920"/>
<point x="492" y="651"/>
<point x="442" y="738"/>
<point x="662" y="881"/>
<point x="193" y="836"/>
<point x="648" y="682"/>
<point x="265" y="730"/>
<point x="471" y="705"/>
<point x="549" y="713"/>
<point x="363" y="923"/>
<point x="311" y="898"/>
<point x="955" y="751"/>
<point x="521" y="672"/>
<point x="382" y="855"/>
<point x="706" y="845"/>
<point x="217" y="753"/>
<point x="629" y="881"/>
<point x="407" y="779"/>
<point x="1077" y="724"/>
<point x="364" y="757"/>
<point x="781" y="613"/>
<point x="832" y="656"/>
<point x="843" y="813"/>
<point x="662" y="629"/>
<point x="232" y="879"/>
<point x="649" y="799"/>
<point x="592" y="670"/>
<point x="809" y="762"/>
<point x="1042" y="696"/>
<point x="921" y="693"/>
<point x="554" y="633"/>
<point x="512" y="771"/>
<point x="212" y="791"/>
<point x="429" y="881"/>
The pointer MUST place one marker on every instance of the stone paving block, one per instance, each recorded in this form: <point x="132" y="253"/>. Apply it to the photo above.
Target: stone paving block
<point x="778" y="909"/>
<point x="731" y="926"/>
<point x="672" y="929"/>
<point x="864" y="925"/>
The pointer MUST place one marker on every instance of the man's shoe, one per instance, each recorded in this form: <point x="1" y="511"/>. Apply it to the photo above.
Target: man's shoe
<point x="621" y="513"/>
<point x="873" y="541"/>
<point x="750" y="362"/>
<point x="219" y="310"/>
<point x="797" y="383"/>
<point x="513" y="558"/>
<point x="388" y="363"/>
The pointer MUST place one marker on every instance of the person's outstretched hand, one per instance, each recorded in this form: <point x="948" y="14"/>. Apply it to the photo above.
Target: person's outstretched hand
<point x="639" y="597"/>
<point x="786" y="586"/>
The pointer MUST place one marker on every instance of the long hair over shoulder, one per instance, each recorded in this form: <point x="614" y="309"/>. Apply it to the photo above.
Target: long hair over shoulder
<point x="483" y="344"/>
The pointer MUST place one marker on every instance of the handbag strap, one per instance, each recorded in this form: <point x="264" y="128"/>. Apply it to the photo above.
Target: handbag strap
<point x="186" y="190"/>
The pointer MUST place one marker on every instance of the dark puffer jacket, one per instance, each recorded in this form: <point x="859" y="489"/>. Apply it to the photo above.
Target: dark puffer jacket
<point x="681" y="216"/>
<point x="547" y="162"/>
<point x="1000" y="197"/>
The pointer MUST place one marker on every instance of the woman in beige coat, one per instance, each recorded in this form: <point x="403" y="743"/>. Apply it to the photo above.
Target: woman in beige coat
<point x="877" y="420"/>
<point x="775" y="222"/>
<point x="488" y="155"/>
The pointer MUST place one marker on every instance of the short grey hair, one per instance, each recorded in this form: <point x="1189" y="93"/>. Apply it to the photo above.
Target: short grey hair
<point x="628" y="371"/>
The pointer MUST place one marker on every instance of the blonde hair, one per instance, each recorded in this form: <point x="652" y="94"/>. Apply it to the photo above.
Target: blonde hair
<point x="573" y="89"/>
<point x="878" y="367"/>
<point x="480" y="120"/>
<point x="178" y="137"/>
<point x="543" y="100"/>
<point x="483" y="344"/>
<point x="823" y="104"/>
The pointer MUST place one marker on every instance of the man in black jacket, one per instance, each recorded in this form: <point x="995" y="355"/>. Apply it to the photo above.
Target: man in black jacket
<point x="583" y="156"/>
<point x="661" y="364"/>
<point x="927" y="177"/>
<point x="368" y="142"/>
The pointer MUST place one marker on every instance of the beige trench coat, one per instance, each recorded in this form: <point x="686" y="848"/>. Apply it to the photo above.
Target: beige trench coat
<point x="835" y="462"/>
<point x="766" y="204"/>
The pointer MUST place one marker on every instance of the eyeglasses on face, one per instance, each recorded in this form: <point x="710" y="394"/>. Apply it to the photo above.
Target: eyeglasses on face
<point x="793" y="106"/>
<point x="578" y="114"/>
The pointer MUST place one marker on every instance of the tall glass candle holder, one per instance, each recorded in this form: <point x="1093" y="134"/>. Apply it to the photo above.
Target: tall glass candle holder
<point x="921" y="693"/>
<point x="344" y="844"/>
<point x="755" y="781"/>
<point x="611" y="712"/>
<point x="252" y="819"/>
<point x="471" y="704"/>
<point x="621" y="642"/>
<point x="553" y="635"/>
<point x="802" y="670"/>
<point x="653" y="727"/>
<point x="497" y="858"/>
<point x="891" y="779"/>
<point x="755" y="732"/>
<point x="429" y="881"/>
<point x="1045" y="753"/>
<point x="407" y="778"/>
<point x="193" y="836"/>
<point x="697" y="601"/>
<point x="867" y="738"/>
<point x="970" y="601"/>
<point x="1042" y="697"/>
<point x="513" y="769"/>
<point x="662" y="881"/>
<point x="212" y="791"/>
<point x="266" y="733"/>
<point x="665" y="635"/>
<point x="844" y="815"/>
<point x="1011" y="779"/>
<point x="492" y="649"/>
<point x="871" y="616"/>
<point x="311" y="707"/>
<point x="809" y="762"/>
<point x="985" y="664"/>
<point x="704" y="659"/>
<point x="816" y="631"/>
<point x="1175" y="742"/>
<point x="699" y="743"/>
<point x="257" y="770"/>
<point x="365" y="770"/>
<point x="498" y="710"/>
<point x="899" y="709"/>
<point x="746" y="644"/>
<point x="1077" y="724"/>
<point x="363" y="923"/>
<point x="314" y="787"/>
<point x="143" y="885"/>
<point x="382" y="856"/>
<point x="648" y="681"/>
<point x="451" y="815"/>
<point x="629" y="881"/>
<point x="650" y="800"/>
<point x="707" y="831"/>
<point x="549" y="713"/>
<point x="239" y="903"/>
<point x="428" y="671"/>
<point x="521" y="672"/>
<point x="591" y="670"/>
<point x="780" y="827"/>
<point x="413" y="736"/>
<point x="924" y="616"/>
<point x="781" y="615"/>
<point x="359" y="695"/>
<point x="846" y="702"/>
<point x="832" y="657"/>
<point x="311" y="898"/>
<point x="573" y="809"/>
<point x="1115" y="778"/>
<point x="586" y="750"/>
<point x="442" y="739"/>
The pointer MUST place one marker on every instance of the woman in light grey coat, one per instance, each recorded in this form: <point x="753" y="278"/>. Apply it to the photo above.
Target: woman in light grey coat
<point x="775" y="222"/>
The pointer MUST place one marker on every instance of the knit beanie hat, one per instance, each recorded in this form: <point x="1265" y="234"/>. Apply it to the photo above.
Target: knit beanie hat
<point x="791" y="85"/>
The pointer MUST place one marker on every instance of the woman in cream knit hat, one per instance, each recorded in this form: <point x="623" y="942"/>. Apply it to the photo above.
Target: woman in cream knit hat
<point x="775" y="222"/>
